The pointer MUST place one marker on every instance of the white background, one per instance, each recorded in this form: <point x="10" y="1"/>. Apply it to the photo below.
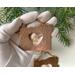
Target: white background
<point x="37" y="3"/>
<point x="37" y="71"/>
<point x="66" y="54"/>
<point x="58" y="49"/>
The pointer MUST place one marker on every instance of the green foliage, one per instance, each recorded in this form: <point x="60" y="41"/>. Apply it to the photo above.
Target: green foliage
<point x="62" y="14"/>
<point x="10" y="13"/>
<point x="64" y="26"/>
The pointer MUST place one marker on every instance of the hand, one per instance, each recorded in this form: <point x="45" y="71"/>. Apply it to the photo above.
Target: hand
<point x="7" y="30"/>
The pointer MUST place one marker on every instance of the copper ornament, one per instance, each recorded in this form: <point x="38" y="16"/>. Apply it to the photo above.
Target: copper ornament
<point x="26" y="42"/>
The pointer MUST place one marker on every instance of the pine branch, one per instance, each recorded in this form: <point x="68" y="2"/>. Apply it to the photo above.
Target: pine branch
<point x="64" y="25"/>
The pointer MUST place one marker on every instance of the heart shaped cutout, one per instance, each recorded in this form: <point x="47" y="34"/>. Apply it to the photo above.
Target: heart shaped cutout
<point x="36" y="38"/>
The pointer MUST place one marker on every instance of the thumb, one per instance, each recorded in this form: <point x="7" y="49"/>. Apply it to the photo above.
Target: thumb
<point x="55" y="32"/>
<point x="12" y="27"/>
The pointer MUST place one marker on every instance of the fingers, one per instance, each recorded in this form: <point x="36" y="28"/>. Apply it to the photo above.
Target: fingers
<point x="44" y="16"/>
<point x="55" y="32"/>
<point x="29" y="17"/>
<point x="52" y="21"/>
<point x="34" y="24"/>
